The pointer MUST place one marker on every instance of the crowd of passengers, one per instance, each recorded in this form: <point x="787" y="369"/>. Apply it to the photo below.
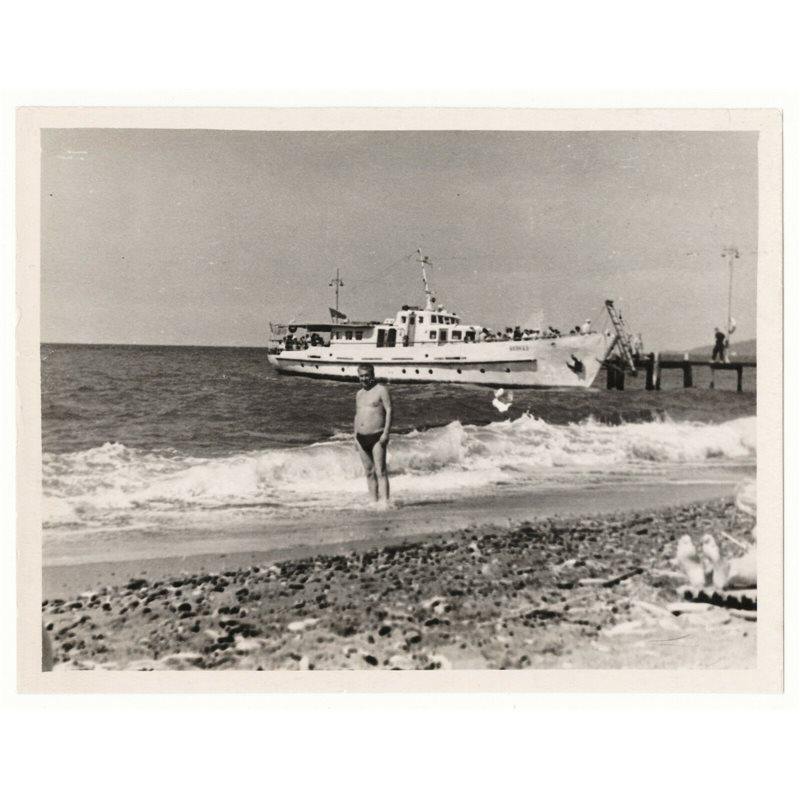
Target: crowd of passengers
<point x="483" y="335"/>
<point x="291" y="342"/>
<point x="521" y="334"/>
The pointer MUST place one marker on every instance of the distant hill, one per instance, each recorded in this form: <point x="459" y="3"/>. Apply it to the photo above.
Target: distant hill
<point x="740" y="350"/>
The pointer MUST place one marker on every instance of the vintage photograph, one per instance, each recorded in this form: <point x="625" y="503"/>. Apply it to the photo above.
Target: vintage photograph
<point x="404" y="397"/>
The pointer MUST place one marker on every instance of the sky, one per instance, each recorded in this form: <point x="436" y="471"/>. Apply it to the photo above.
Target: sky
<point x="201" y="237"/>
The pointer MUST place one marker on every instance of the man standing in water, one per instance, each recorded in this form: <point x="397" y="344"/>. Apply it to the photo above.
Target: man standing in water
<point x="372" y="424"/>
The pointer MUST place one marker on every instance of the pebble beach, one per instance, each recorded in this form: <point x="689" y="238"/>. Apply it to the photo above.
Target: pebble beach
<point x="582" y="591"/>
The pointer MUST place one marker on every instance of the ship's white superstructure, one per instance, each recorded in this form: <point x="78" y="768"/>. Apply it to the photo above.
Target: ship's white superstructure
<point x="431" y="344"/>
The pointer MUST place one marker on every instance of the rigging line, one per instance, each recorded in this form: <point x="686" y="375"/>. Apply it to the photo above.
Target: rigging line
<point x="358" y="285"/>
<point x="380" y="275"/>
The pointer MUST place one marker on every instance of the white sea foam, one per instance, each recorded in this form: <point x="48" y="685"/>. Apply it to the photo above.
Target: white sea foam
<point x="114" y="485"/>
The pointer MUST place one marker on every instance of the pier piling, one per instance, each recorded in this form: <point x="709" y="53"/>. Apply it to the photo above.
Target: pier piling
<point x="648" y="372"/>
<point x="654" y="363"/>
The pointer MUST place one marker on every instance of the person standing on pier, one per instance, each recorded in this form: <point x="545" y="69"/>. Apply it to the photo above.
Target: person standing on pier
<point x="372" y="425"/>
<point x="719" y="345"/>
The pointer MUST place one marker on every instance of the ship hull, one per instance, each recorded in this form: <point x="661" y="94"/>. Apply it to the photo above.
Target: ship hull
<point x="562" y="362"/>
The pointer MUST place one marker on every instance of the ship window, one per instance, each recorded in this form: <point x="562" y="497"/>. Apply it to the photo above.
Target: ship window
<point x="402" y="319"/>
<point x="442" y="334"/>
<point x="456" y="334"/>
<point x="421" y="318"/>
<point x="359" y="335"/>
<point x="391" y="338"/>
<point x="348" y="335"/>
<point x="432" y="335"/>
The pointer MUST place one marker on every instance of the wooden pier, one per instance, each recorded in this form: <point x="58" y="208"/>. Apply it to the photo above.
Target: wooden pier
<point x="654" y="364"/>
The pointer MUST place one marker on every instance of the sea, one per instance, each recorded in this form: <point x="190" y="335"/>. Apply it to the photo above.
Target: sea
<point x="151" y="441"/>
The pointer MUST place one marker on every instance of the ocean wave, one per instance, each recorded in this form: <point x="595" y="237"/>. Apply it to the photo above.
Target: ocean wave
<point x="112" y="483"/>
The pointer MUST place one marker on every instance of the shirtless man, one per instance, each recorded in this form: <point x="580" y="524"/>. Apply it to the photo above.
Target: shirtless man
<point x="372" y="423"/>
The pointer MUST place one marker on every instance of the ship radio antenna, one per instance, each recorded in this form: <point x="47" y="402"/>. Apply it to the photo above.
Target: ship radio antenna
<point x="429" y="299"/>
<point x="336" y="283"/>
<point x="731" y="253"/>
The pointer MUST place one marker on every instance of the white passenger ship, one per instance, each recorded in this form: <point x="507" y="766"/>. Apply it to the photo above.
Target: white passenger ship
<point x="431" y="344"/>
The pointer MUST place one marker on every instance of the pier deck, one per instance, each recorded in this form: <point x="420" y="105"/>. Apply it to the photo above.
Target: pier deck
<point x="655" y="363"/>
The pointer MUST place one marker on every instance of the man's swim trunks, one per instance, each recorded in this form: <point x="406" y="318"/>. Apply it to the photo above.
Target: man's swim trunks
<point x="367" y="441"/>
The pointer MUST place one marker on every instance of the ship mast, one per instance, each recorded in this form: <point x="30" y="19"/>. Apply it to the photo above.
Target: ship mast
<point x="429" y="298"/>
<point x="337" y="282"/>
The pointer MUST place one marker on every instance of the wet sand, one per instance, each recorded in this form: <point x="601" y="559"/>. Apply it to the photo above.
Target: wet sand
<point x="507" y="589"/>
<point x="69" y="566"/>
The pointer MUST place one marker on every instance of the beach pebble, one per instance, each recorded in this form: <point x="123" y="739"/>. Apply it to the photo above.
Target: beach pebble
<point x="302" y="624"/>
<point x="413" y="637"/>
<point x="624" y="628"/>
<point x="243" y="645"/>
<point x="689" y="608"/>
<point x="716" y="616"/>
<point x="652" y="608"/>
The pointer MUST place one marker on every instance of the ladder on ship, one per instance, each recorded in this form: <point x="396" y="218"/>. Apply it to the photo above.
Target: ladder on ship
<point x="621" y="340"/>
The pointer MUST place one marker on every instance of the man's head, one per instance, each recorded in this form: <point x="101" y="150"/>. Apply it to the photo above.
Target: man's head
<point x="366" y="374"/>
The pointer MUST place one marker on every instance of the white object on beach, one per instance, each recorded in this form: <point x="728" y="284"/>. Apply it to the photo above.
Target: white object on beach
<point x="686" y="557"/>
<point x="501" y="406"/>
<point x="302" y="624"/>
<point x="746" y="498"/>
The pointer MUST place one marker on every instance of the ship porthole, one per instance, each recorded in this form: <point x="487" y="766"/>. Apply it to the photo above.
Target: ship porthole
<point x="430" y="371"/>
<point x="483" y="370"/>
<point x="508" y="369"/>
<point x="342" y="369"/>
<point x="404" y="372"/>
<point x="316" y="366"/>
<point x="458" y="371"/>
<point x="417" y="371"/>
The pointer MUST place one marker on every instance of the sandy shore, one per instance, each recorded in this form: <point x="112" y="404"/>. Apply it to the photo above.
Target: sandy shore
<point x="581" y="591"/>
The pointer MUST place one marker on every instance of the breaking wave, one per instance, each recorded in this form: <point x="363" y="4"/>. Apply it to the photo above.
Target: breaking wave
<point x="117" y="486"/>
